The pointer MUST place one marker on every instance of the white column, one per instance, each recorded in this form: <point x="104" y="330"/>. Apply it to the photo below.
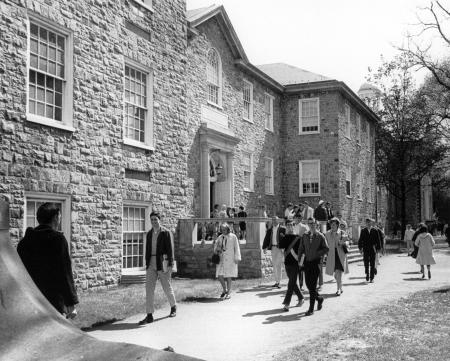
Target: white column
<point x="230" y="178"/>
<point x="204" y="182"/>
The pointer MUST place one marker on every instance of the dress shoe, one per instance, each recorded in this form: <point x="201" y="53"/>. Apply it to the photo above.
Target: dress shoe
<point x="276" y="285"/>
<point x="173" y="311"/>
<point x="147" y="319"/>
<point x="227" y="296"/>
<point x="367" y="277"/>
<point x="309" y="312"/>
<point x="285" y="308"/>
<point x="338" y="293"/>
<point x="222" y="295"/>
<point x="319" y="303"/>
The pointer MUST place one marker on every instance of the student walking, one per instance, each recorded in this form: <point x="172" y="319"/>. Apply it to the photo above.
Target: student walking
<point x="290" y="244"/>
<point x="409" y="233"/>
<point x="227" y="247"/>
<point x="425" y="242"/>
<point x="159" y="258"/>
<point x="271" y="242"/>
<point x="313" y="246"/>
<point x="369" y="244"/>
<point x="337" y="263"/>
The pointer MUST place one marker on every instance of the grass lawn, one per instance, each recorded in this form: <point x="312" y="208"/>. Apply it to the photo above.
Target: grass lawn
<point x="413" y="328"/>
<point x="99" y="307"/>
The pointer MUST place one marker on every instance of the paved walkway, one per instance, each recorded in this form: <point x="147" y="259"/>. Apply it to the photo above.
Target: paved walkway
<point x="251" y="325"/>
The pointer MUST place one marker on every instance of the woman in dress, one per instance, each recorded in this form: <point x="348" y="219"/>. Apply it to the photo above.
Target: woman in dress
<point x="227" y="246"/>
<point x="337" y="262"/>
<point x="425" y="242"/>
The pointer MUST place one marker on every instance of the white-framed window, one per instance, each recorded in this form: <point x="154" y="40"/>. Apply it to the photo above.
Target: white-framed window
<point x="138" y="105"/>
<point x="214" y="77"/>
<point x="134" y="226"/>
<point x="369" y="137"/>
<point x="247" y="95"/>
<point x="309" y="115"/>
<point x="358" y="128"/>
<point x="33" y="200"/>
<point x="268" y="175"/>
<point x="309" y="176"/>
<point x="359" y="185"/>
<point x="50" y="80"/>
<point x="268" y="111"/>
<point x="348" y="181"/>
<point x="247" y="163"/>
<point x="347" y="120"/>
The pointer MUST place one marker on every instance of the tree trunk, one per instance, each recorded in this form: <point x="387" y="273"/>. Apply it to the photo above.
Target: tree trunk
<point x="403" y="207"/>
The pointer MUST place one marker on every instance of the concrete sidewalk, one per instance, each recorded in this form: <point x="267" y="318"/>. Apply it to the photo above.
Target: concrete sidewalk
<point x="252" y="326"/>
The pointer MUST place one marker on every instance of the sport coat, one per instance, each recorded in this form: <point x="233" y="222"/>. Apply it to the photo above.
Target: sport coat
<point x="267" y="243"/>
<point x="164" y="247"/>
<point x="369" y="242"/>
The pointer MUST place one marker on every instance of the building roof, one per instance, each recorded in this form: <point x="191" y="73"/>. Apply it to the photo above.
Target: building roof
<point x="286" y="74"/>
<point x="368" y="86"/>
<point x="196" y="17"/>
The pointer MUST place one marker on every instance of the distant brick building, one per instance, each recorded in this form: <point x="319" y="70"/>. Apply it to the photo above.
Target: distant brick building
<point x="110" y="112"/>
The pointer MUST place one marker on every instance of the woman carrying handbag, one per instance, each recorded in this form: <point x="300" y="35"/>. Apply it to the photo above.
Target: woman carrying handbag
<point x="337" y="262"/>
<point x="227" y="247"/>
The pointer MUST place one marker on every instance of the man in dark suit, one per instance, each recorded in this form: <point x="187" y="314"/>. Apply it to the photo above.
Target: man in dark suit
<point x="45" y="255"/>
<point x="369" y="244"/>
<point x="159" y="260"/>
<point x="272" y="242"/>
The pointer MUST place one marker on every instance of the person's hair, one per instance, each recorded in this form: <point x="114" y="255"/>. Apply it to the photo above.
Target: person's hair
<point x="155" y="214"/>
<point x="343" y="223"/>
<point x="241" y="208"/>
<point x="227" y="226"/>
<point x="46" y="212"/>
<point x="289" y="221"/>
<point x="311" y="219"/>
<point x="335" y="220"/>
<point x="408" y="225"/>
<point x="216" y="206"/>
<point x="423" y="228"/>
<point x="290" y="204"/>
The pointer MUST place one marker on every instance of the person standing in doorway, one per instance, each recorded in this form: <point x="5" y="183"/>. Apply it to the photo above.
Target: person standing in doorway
<point x="159" y="260"/>
<point x="242" y="225"/>
<point x="369" y="244"/>
<point x="45" y="254"/>
<point x="313" y="246"/>
<point x="271" y="242"/>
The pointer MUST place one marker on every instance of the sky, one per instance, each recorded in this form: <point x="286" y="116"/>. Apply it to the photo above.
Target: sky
<point x="338" y="39"/>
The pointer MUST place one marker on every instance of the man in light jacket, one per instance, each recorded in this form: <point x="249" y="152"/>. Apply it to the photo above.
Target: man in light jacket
<point x="271" y="242"/>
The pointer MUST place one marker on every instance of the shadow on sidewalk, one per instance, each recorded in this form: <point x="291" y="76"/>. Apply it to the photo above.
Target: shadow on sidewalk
<point x="267" y="294"/>
<point x="202" y="299"/>
<point x="410" y="273"/>
<point x="357" y="278"/>
<point x="273" y="311"/>
<point x="118" y="327"/>
<point x="415" y="279"/>
<point x="284" y="318"/>
<point x="356" y="284"/>
<point x="255" y="289"/>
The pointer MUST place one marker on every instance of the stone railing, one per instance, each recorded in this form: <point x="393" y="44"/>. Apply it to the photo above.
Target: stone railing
<point x="195" y="243"/>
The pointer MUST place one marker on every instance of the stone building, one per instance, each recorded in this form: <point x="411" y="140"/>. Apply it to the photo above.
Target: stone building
<point x="115" y="108"/>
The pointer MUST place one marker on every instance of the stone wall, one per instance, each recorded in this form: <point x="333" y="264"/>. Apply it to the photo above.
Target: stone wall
<point x="253" y="136"/>
<point x="88" y="164"/>
<point x="323" y="146"/>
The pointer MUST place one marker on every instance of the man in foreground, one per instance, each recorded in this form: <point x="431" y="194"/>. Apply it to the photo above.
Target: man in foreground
<point x="313" y="246"/>
<point x="45" y="255"/>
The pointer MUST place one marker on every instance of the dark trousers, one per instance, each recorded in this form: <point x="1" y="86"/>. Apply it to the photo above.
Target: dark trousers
<point x="312" y="272"/>
<point x="292" y="271"/>
<point x="301" y="275"/>
<point x="369" y="263"/>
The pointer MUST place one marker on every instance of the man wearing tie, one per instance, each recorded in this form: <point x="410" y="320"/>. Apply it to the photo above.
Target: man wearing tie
<point x="369" y="244"/>
<point x="272" y="242"/>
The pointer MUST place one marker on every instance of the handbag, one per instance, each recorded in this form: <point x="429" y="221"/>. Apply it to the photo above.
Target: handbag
<point x="415" y="252"/>
<point x="215" y="258"/>
<point x="344" y="246"/>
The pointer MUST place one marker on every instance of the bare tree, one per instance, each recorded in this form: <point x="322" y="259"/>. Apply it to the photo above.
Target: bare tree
<point x="433" y="20"/>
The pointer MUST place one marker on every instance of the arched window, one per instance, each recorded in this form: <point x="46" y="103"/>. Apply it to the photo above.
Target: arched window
<point x="214" y="77"/>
